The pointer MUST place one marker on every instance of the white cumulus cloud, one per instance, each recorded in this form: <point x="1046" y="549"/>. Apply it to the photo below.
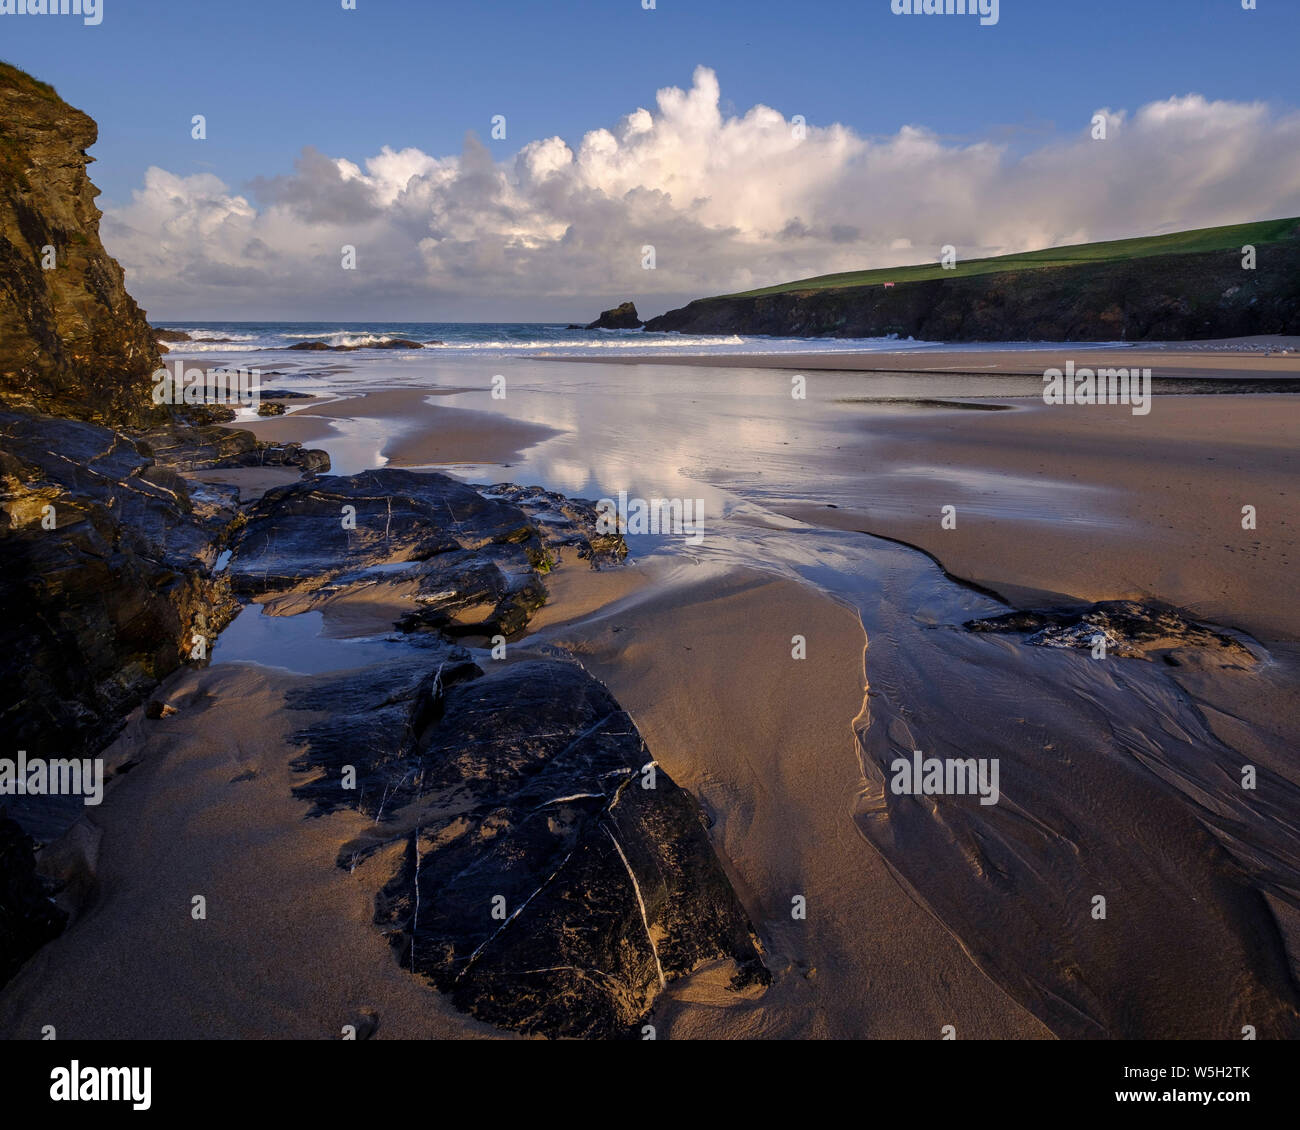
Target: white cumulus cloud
<point x="729" y="202"/>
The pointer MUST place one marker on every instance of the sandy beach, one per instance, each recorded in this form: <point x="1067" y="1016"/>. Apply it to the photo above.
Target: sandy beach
<point x="1055" y="507"/>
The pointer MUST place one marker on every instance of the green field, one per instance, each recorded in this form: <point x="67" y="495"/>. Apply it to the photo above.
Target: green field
<point x="1232" y="238"/>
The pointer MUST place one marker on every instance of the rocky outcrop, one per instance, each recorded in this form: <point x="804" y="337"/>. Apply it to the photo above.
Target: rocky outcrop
<point x="621" y="317"/>
<point x="387" y="343"/>
<point x="469" y="561"/>
<point x="1161" y="298"/>
<point x="72" y="341"/>
<point x="552" y="878"/>
<point x="182" y="448"/>
<point x="1124" y="628"/>
<point x="107" y="573"/>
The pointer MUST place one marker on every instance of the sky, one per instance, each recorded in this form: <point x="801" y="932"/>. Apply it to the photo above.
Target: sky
<point x="747" y="143"/>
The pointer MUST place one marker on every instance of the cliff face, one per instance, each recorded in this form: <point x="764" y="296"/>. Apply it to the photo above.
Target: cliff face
<point x="1161" y="298"/>
<point x="72" y="341"/>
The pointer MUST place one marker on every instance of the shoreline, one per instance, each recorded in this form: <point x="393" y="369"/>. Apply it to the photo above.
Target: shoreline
<point x="1173" y="360"/>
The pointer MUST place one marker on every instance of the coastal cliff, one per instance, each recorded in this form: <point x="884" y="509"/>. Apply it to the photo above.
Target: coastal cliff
<point x="72" y="341"/>
<point x="1172" y="297"/>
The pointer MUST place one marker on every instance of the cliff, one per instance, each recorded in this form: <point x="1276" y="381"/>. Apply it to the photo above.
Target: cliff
<point x="1145" y="297"/>
<point x="72" y="341"/>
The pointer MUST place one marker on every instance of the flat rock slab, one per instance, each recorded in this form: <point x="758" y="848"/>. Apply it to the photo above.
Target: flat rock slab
<point x="552" y="880"/>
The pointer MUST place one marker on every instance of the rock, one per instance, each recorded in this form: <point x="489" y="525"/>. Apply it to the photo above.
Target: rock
<point x="72" y="341"/>
<point x="435" y="341"/>
<point x="469" y="562"/>
<point x="28" y="917"/>
<point x="171" y="335"/>
<point x="540" y="885"/>
<point x="387" y="343"/>
<point x="270" y="408"/>
<point x="564" y="522"/>
<point x="104" y="604"/>
<point x="210" y="447"/>
<point x="621" y="317"/>
<point x="1131" y="630"/>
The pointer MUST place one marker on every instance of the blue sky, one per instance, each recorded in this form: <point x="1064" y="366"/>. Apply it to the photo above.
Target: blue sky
<point x="275" y="77"/>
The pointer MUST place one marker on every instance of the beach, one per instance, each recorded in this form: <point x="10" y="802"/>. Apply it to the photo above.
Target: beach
<point x="824" y="525"/>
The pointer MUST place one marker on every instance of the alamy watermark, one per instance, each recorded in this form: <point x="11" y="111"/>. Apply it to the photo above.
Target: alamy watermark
<point x="91" y="11"/>
<point x="683" y="516"/>
<point x="948" y="776"/>
<point x="987" y="10"/>
<point x="1102" y="386"/>
<point x="82" y="777"/>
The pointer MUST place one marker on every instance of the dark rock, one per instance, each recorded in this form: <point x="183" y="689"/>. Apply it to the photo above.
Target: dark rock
<point x="387" y="343"/>
<point x="210" y="447"/>
<point x="621" y="317"/>
<point x="1131" y="630"/>
<point x="270" y="408"/>
<point x="564" y="522"/>
<point x="435" y="341"/>
<point x="521" y="792"/>
<point x="72" y="341"/>
<point x="469" y="562"/>
<point x="28" y="917"/>
<point x="171" y="335"/>
<point x="102" y="606"/>
<point x="283" y="393"/>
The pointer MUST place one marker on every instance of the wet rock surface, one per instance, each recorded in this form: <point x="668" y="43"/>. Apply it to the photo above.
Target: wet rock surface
<point x="564" y="523"/>
<point x="539" y="884"/>
<point x="106" y="568"/>
<point x="460" y="548"/>
<point x="210" y="446"/>
<point x="1128" y="629"/>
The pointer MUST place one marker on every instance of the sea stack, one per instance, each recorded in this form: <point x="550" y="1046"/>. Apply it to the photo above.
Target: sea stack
<point x="621" y="317"/>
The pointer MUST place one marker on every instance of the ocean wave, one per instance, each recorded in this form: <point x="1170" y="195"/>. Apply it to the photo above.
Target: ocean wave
<point x="643" y="343"/>
<point x="184" y="347"/>
<point x="344" y="337"/>
<point x="216" y="335"/>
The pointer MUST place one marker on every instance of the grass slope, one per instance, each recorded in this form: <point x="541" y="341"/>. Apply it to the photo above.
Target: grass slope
<point x="1232" y="238"/>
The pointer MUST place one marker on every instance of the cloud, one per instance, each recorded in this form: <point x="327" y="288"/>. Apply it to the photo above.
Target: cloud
<point x="728" y="203"/>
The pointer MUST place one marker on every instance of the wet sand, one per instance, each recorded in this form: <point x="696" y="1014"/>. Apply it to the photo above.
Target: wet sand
<point x="415" y="432"/>
<point x="703" y="664"/>
<point x="1117" y="778"/>
<point x="1093" y="503"/>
